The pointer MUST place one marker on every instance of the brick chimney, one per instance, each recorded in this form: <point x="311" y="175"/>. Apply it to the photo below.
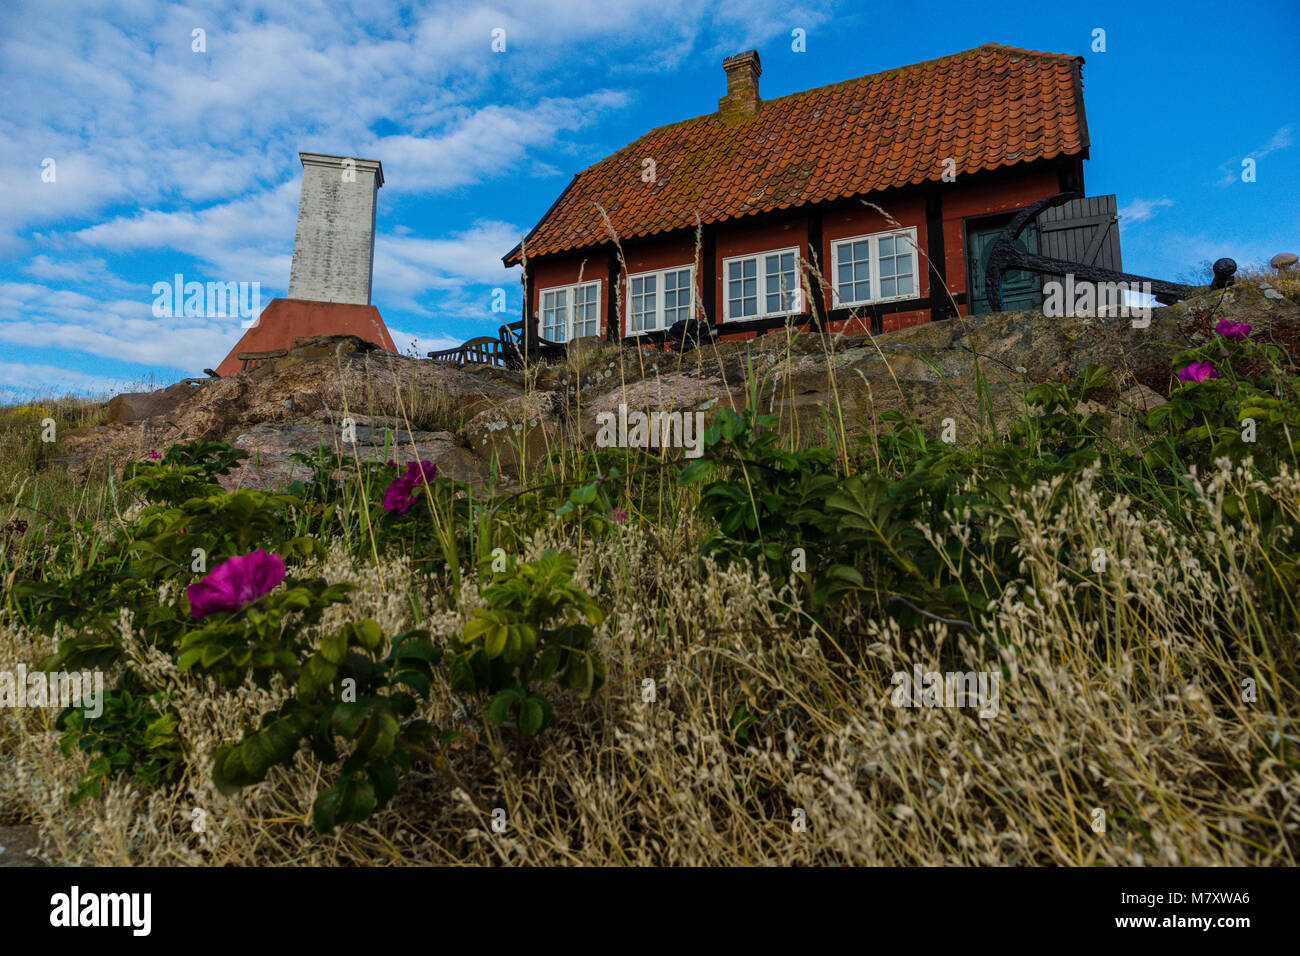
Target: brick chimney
<point x="741" y="101"/>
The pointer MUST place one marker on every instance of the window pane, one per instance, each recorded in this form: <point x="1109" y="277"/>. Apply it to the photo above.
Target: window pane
<point x="773" y="283"/>
<point x="733" y="270"/>
<point x="886" y="246"/>
<point x="677" y="296"/>
<point x="751" y="268"/>
<point x="861" y="291"/>
<point x="886" y="288"/>
<point x="904" y="285"/>
<point x="862" y="249"/>
<point x="751" y="306"/>
<point x="555" y="315"/>
<point x="643" y="305"/>
<point x="861" y="271"/>
<point x="751" y="287"/>
<point x="773" y="303"/>
<point x="845" y="271"/>
<point x="787" y="262"/>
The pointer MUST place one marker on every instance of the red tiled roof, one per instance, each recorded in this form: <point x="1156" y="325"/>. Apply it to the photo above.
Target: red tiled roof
<point x="991" y="106"/>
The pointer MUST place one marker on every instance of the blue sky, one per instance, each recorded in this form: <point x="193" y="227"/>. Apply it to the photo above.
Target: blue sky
<point x="171" y="161"/>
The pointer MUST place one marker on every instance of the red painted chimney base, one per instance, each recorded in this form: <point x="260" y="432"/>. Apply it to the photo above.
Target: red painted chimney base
<point x="284" y="320"/>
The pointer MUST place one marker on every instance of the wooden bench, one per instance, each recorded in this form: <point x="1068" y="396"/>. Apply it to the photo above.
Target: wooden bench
<point x="484" y="350"/>
<point x="511" y="348"/>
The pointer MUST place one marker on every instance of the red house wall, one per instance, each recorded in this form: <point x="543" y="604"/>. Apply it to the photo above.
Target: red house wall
<point x="861" y="220"/>
<point x="567" y="270"/>
<point x="971" y="197"/>
<point x="742" y="238"/>
<point x="648" y="255"/>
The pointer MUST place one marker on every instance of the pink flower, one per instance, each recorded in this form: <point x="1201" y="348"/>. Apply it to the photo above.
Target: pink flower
<point x="1237" y="331"/>
<point x="153" y="453"/>
<point x="618" y="515"/>
<point x="1197" y="372"/>
<point x="400" y="495"/>
<point x="235" y="583"/>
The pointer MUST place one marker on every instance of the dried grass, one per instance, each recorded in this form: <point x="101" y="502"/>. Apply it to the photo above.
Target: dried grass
<point x="1134" y="707"/>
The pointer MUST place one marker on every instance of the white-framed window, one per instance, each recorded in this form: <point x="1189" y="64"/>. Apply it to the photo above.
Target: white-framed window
<point x="877" y="268"/>
<point x="761" y="285"/>
<point x="570" y="311"/>
<point x="658" y="300"/>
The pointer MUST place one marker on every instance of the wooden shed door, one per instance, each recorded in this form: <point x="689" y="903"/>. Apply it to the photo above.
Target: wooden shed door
<point x="1020" y="289"/>
<point x="1082" y="230"/>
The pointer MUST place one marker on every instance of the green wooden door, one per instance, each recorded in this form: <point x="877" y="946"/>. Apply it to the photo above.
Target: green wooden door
<point x="1020" y="290"/>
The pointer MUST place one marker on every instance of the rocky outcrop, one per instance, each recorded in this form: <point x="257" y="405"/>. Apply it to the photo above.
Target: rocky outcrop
<point x="131" y="407"/>
<point x="477" y="420"/>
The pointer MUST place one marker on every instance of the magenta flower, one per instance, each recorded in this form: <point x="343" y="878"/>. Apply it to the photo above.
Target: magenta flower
<point x="153" y="453"/>
<point x="1197" y="372"/>
<point x="400" y="495"/>
<point x="235" y="583"/>
<point x="1237" y="331"/>
<point x="618" y="515"/>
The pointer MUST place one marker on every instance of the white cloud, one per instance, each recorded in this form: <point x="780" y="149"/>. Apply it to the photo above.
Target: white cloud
<point x="67" y="322"/>
<point x="1232" y="168"/>
<point x="16" y="380"/>
<point x="1140" y="210"/>
<point x="188" y="161"/>
<point x="485" y="142"/>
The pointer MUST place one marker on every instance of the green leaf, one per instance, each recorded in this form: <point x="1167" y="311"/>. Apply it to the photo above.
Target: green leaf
<point x="584" y="495"/>
<point x="580" y="674"/>
<point x="494" y="641"/>
<point x="547" y="662"/>
<point x="334" y="647"/>
<point x="369" y="634"/>
<point x="499" y="707"/>
<point x="384" y="777"/>
<point x="417" y="647"/>
<point x="842" y="572"/>
<point x="696" y="471"/>
<point x="213" y="653"/>
<point x="189" y="658"/>
<point x="533" y="713"/>
<point x="413" y="679"/>
<point x="316" y="676"/>
<point x="325" y="810"/>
